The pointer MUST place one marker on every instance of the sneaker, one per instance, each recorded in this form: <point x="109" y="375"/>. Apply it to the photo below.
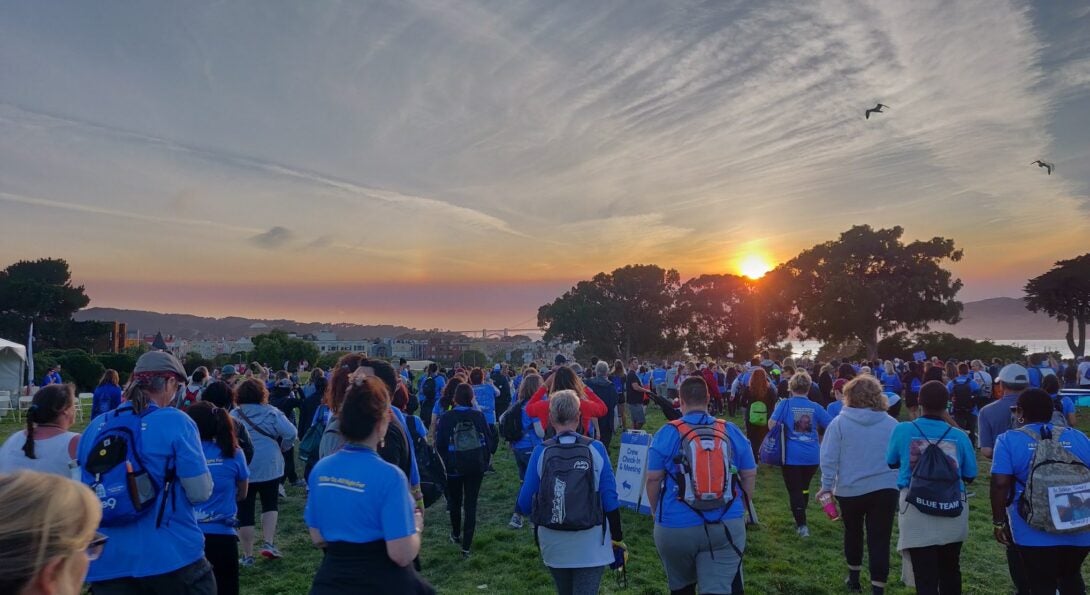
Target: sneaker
<point x="269" y="551"/>
<point x="465" y="554"/>
<point x="455" y="538"/>
<point x="516" y="521"/>
<point x="853" y="587"/>
<point x="298" y="484"/>
<point x="804" y="531"/>
<point x="246" y="561"/>
<point x="281" y="492"/>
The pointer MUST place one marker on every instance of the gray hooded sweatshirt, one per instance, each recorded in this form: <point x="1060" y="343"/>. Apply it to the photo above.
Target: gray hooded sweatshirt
<point x="853" y="453"/>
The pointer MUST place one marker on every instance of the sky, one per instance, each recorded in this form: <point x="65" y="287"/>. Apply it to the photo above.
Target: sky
<point x="458" y="164"/>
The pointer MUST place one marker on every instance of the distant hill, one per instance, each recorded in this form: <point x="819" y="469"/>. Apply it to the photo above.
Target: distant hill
<point x="1003" y="318"/>
<point x="187" y="326"/>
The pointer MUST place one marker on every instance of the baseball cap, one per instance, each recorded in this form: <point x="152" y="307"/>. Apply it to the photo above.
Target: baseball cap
<point x="159" y="361"/>
<point x="1013" y="375"/>
<point x="229" y="370"/>
<point x="496" y="368"/>
<point x="560" y="360"/>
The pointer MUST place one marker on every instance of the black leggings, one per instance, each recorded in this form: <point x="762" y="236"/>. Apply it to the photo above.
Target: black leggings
<point x="270" y="501"/>
<point x="874" y="511"/>
<point x="290" y="475"/>
<point x="797" y="478"/>
<point x="222" y="552"/>
<point x="937" y="569"/>
<point x="1053" y="568"/>
<point x="463" y="491"/>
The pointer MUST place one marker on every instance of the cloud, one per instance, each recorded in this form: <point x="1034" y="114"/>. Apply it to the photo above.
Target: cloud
<point x="275" y="237"/>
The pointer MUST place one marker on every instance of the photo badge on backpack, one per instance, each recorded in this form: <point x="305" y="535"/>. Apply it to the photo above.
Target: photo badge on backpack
<point x="935" y="486"/>
<point x="1056" y="498"/>
<point x="115" y="471"/>
<point x="567" y="498"/>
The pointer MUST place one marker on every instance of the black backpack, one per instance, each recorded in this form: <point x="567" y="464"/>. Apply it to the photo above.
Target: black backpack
<point x="428" y="389"/>
<point x="467" y="446"/>
<point x="567" y="498"/>
<point x="433" y="473"/>
<point x="935" y="486"/>
<point x="394" y="448"/>
<point x="511" y="423"/>
<point x="963" y="398"/>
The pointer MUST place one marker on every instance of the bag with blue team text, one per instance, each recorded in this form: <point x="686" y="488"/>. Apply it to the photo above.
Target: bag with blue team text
<point x="115" y="471"/>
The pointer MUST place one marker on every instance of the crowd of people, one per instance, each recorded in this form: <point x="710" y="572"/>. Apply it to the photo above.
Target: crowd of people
<point x="175" y="463"/>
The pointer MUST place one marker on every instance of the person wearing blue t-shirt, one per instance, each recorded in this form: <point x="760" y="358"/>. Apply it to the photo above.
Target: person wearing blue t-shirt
<point x="53" y="377"/>
<point x="804" y="419"/>
<point x="931" y="544"/>
<point x="107" y="394"/>
<point x="532" y="433"/>
<point x="485" y="394"/>
<point x="149" y="555"/>
<point x="428" y="391"/>
<point x="1061" y="404"/>
<point x="694" y="551"/>
<point x="1050" y="562"/>
<point x="360" y="511"/>
<point x="575" y="559"/>
<point x="218" y="516"/>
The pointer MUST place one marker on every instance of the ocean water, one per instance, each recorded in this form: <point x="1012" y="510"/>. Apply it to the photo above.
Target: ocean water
<point x="1034" y="345"/>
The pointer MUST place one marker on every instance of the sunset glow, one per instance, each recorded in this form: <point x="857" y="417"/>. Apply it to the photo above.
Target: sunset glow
<point x="754" y="266"/>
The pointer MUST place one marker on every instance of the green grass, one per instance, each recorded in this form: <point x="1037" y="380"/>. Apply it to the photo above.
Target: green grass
<point x="507" y="561"/>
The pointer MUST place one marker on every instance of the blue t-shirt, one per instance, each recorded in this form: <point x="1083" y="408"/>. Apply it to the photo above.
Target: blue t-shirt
<point x="1013" y="456"/>
<point x="357" y="497"/>
<point x="658" y="375"/>
<point x="216" y="515"/>
<point x="674" y="513"/>
<point x="106" y="398"/>
<point x="139" y="549"/>
<point x="834" y="408"/>
<point x="1067" y="406"/>
<point x="803" y="422"/>
<point x="530" y="439"/>
<point x="911" y="438"/>
<point x="440" y="383"/>
<point x="485" y="395"/>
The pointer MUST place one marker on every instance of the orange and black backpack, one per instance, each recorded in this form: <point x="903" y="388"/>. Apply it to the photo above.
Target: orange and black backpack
<point x="702" y="468"/>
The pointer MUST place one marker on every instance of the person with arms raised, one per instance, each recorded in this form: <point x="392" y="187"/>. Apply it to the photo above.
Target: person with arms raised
<point x="156" y="545"/>
<point x="700" y="540"/>
<point x="360" y="511"/>
<point x="564" y="378"/>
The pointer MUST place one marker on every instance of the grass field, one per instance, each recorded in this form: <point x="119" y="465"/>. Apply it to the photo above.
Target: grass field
<point x="507" y="561"/>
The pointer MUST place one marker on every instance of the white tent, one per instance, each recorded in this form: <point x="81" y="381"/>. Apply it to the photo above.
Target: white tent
<point x="12" y="363"/>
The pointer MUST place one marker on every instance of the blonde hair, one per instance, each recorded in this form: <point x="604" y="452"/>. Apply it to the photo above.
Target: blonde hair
<point x="864" y="392"/>
<point x="563" y="407"/>
<point x="799" y="383"/>
<point x="889" y="367"/>
<point x="530" y="383"/>
<point x="46" y="516"/>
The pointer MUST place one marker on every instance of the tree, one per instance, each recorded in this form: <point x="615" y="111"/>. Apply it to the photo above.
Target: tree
<point x="629" y="311"/>
<point x="277" y="347"/>
<point x="1064" y="294"/>
<point x="474" y="358"/>
<point x="123" y="363"/>
<point x="869" y="283"/>
<point x="40" y="291"/>
<point x="723" y="314"/>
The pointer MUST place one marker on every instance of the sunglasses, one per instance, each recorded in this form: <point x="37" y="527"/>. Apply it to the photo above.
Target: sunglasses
<point x="94" y="549"/>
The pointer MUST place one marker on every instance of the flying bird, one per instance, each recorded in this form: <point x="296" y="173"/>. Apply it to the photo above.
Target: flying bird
<point x="876" y="109"/>
<point x="1047" y="166"/>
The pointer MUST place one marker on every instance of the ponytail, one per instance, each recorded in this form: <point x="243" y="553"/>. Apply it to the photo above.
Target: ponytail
<point x="31" y="419"/>
<point x="48" y="404"/>
<point x="225" y="432"/>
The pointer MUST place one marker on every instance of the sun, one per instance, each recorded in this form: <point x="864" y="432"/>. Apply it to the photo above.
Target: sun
<point x="754" y="266"/>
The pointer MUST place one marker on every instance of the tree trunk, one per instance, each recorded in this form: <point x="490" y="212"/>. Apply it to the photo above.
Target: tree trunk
<point x="1079" y="348"/>
<point x="871" y="343"/>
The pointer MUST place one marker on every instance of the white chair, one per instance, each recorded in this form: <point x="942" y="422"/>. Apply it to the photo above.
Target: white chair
<point x="5" y="402"/>
<point x="84" y="398"/>
<point x="24" y="405"/>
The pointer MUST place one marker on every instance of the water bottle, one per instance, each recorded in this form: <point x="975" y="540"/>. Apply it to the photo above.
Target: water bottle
<point x="828" y="504"/>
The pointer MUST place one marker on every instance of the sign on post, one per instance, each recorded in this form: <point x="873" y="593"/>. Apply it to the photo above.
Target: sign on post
<point x="632" y="470"/>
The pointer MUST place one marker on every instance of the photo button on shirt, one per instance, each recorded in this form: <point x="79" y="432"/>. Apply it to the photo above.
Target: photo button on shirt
<point x="803" y="418"/>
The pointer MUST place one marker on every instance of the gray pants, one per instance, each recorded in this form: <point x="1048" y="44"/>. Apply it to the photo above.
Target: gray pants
<point x="702" y="555"/>
<point x="577" y="581"/>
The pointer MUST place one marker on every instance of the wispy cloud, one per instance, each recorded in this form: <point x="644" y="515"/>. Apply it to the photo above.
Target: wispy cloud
<point x="276" y="237"/>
